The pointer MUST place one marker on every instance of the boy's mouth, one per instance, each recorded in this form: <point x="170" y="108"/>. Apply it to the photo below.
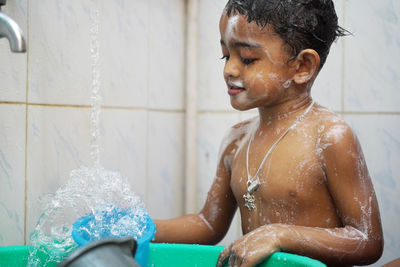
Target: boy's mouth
<point x="235" y="88"/>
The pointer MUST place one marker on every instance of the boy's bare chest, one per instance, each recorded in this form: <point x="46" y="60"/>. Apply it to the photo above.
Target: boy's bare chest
<point x="291" y="176"/>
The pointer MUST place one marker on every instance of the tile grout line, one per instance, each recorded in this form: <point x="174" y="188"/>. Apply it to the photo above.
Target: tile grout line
<point x="189" y="180"/>
<point x="26" y="174"/>
<point x="210" y="111"/>
<point x="147" y="103"/>
<point x="88" y="107"/>
<point x="26" y="124"/>
<point x="13" y="102"/>
<point x="215" y="111"/>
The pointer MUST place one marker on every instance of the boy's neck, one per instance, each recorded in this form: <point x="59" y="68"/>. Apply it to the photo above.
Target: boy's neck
<point x="272" y="114"/>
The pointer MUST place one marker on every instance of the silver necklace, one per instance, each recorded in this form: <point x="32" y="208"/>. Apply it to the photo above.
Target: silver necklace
<point x="254" y="182"/>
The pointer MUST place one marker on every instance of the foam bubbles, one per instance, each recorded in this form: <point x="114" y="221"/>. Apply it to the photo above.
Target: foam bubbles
<point x="93" y="191"/>
<point x="231" y="28"/>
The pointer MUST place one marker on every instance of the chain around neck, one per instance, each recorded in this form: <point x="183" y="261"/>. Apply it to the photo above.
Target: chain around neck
<point x="250" y="179"/>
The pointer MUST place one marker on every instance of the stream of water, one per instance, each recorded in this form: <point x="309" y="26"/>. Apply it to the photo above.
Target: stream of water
<point x="89" y="190"/>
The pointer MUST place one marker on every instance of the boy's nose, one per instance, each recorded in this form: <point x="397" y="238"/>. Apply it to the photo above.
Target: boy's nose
<point x="231" y="69"/>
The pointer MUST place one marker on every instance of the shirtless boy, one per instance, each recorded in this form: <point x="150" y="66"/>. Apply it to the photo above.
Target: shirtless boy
<point x="296" y="172"/>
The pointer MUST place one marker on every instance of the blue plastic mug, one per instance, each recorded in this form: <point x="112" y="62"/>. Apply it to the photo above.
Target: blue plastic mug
<point x="81" y="233"/>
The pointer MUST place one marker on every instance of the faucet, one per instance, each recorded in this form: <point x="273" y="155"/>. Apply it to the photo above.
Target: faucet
<point x="10" y="29"/>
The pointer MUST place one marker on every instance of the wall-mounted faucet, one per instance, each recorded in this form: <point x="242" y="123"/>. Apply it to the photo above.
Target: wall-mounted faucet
<point x="10" y="29"/>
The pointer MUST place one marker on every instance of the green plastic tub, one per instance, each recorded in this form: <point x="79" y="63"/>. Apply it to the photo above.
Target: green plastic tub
<point x="179" y="255"/>
<point x="167" y="255"/>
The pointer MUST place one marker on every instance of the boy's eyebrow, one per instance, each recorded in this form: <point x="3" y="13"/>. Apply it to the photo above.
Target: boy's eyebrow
<point x="243" y="44"/>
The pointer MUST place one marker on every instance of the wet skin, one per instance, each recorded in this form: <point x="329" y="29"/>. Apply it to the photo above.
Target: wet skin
<point x="316" y="197"/>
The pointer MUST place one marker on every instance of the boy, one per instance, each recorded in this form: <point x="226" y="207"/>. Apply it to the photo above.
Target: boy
<point x="296" y="172"/>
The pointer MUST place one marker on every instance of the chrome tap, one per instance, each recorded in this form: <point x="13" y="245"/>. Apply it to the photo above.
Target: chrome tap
<point x="10" y="29"/>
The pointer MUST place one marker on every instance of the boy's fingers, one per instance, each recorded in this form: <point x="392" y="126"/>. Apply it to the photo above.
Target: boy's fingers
<point x="237" y="261"/>
<point x="223" y="256"/>
<point x="232" y="260"/>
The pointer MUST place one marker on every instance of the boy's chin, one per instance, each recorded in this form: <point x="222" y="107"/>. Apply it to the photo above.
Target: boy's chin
<point x="241" y="107"/>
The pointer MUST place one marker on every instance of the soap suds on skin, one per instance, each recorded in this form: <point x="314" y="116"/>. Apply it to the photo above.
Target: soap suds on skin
<point x="268" y="54"/>
<point x="206" y="222"/>
<point x="231" y="27"/>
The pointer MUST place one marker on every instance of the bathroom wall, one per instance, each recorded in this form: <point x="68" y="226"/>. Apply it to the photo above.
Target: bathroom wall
<point x="45" y="105"/>
<point x="44" y="102"/>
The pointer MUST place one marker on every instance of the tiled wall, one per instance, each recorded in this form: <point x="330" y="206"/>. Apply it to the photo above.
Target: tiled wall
<point x="44" y="103"/>
<point x="44" y="98"/>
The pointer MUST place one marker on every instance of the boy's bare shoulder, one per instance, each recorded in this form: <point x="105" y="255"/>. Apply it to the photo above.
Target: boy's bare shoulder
<point x="236" y="134"/>
<point x="331" y="128"/>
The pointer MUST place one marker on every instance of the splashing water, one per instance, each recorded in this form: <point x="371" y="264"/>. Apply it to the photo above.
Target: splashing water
<point x="94" y="192"/>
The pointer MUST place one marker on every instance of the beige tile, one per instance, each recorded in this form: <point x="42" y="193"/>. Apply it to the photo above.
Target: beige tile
<point x="59" y="53"/>
<point x="123" y="143"/>
<point x="12" y="174"/>
<point x="166" y="54"/>
<point x="60" y="64"/>
<point x="58" y="142"/>
<point x="327" y="88"/>
<point x="125" y="52"/>
<point x="372" y="76"/>
<point x="165" y="187"/>
<point x="212" y="91"/>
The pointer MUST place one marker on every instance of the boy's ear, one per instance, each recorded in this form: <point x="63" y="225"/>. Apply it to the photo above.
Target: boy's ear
<point x="307" y="64"/>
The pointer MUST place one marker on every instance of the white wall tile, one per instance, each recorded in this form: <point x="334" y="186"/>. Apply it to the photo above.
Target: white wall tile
<point x="58" y="142"/>
<point x="59" y="52"/>
<point x="123" y="146"/>
<point x="12" y="174"/>
<point x="13" y="66"/>
<point x="211" y="130"/>
<point x="372" y="77"/>
<point x="212" y="91"/>
<point x="166" y="54"/>
<point x="124" y="52"/>
<point x="327" y="88"/>
<point x="379" y="136"/>
<point x="165" y="191"/>
<point x="60" y="64"/>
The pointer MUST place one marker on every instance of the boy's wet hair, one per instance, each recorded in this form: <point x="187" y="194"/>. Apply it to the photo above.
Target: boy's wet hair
<point x="301" y="24"/>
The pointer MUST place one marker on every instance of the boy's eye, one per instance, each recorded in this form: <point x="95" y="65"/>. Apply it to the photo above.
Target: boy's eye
<point x="248" y="61"/>
<point x="225" y="57"/>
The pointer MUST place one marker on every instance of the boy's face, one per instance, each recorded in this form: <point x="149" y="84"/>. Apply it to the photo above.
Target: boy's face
<point x="256" y="71"/>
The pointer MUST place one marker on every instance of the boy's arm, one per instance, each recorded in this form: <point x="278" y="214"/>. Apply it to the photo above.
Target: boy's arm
<point x="360" y="241"/>
<point x="211" y="224"/>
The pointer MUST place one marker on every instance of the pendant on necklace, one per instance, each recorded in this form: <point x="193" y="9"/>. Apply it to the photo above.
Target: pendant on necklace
<point x="249" y="199"/>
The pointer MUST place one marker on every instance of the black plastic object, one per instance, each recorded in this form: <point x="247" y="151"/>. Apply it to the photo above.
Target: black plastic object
<point x="104" y="253"/>
<point x="3" y="2"/>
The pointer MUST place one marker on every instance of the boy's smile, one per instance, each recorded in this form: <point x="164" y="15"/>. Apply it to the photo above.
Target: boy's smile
<point x="235" y="88"/>
<point x="257" y="72"/>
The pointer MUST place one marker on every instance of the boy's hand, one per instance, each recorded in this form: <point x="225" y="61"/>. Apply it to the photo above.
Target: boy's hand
<point x="251" y="248"/>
